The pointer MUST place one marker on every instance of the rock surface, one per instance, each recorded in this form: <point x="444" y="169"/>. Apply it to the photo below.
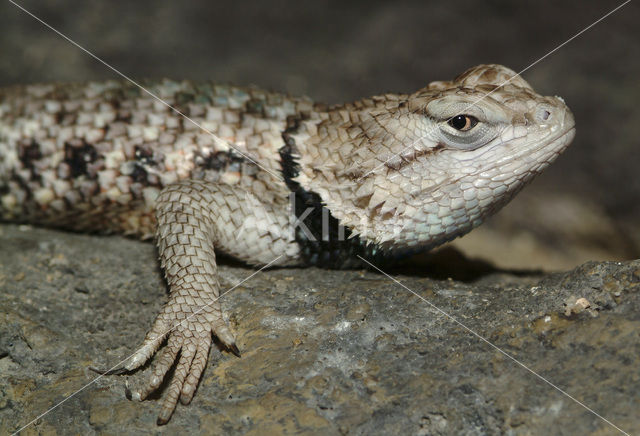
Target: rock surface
<point x="323" y="352"/>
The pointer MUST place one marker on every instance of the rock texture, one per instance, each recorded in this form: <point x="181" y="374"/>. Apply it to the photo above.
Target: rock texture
<point x="323" y="352"/>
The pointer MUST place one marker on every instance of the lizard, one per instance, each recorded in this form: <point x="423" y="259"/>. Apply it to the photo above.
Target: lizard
<point x="266" y="178"/>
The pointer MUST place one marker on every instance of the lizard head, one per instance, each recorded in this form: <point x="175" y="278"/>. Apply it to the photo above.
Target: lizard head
<point x="416" y="170"/>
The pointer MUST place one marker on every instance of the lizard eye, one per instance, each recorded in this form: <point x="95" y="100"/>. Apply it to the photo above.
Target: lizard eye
<point x="466" y="132"/>
<point x="463" y="123"/>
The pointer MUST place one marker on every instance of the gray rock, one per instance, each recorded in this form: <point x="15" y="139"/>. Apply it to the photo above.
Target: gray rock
<point x="323" y="352"/>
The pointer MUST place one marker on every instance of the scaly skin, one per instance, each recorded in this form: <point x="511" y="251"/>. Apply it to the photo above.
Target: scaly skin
<point x="400" y="173"/>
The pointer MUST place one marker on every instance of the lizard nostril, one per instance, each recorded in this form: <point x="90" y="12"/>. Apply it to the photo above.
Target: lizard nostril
<point x="543" y="114"/>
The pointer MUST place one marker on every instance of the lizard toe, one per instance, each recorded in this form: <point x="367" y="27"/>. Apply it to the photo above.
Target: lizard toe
<point x="177" y="382"/>
<point x="151" y="343"/>
<point x="195" y="372"/>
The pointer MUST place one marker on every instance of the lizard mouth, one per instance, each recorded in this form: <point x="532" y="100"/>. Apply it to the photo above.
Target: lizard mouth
<point x="557" y="142"/>
<point x="562" y="140"/>
<point x="567" y="127"/>
<point x="544" y="154"/>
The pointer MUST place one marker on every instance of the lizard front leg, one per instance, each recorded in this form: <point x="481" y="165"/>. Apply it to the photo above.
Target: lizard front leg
<point x="193" y="218"/>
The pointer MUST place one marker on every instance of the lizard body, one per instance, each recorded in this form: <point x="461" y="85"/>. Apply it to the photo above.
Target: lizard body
<point x="283" y="179"/>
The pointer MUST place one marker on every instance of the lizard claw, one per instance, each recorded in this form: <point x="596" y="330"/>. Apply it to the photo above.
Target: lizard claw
<point x="234" y="349"/>
<point x="187" y="347"/>
<point x="127" y="393"/>
<point x="114" y="371"/>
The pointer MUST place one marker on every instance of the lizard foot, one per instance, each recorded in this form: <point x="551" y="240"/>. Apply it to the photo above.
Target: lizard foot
<point x="188" y="324"/>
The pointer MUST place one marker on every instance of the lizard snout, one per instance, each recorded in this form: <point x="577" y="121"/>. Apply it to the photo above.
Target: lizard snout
<point x="554" y="112"/>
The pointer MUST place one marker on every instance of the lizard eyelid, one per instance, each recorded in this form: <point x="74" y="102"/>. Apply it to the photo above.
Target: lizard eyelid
<point x="466" y="132"/>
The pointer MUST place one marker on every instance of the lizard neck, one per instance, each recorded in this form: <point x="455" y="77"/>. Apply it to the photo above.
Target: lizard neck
<point x="322" y="239"/>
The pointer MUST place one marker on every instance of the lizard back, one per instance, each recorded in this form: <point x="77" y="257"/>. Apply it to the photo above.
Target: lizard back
<point x="94" y="156"/>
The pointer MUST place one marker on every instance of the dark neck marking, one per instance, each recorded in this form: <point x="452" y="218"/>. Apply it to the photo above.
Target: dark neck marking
<point x="330" y="245"/>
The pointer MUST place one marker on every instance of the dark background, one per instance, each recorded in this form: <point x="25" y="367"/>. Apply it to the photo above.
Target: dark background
<point x="584" y="207"/>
